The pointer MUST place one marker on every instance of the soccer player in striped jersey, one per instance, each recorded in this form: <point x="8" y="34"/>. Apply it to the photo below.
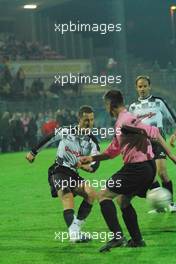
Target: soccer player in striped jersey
<point x="65" y="179"/>
<point x="154" y="110"/>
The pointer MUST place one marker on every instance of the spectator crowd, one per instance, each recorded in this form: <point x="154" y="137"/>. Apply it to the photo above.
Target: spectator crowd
<point x="23" y="50"/>
<point x="12" y="77"/>
<point x="21" y="131"/>
<point x="12" y="85"/>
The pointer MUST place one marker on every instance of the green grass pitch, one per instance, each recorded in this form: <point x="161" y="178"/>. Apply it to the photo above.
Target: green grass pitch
<point x="29" y="218"/>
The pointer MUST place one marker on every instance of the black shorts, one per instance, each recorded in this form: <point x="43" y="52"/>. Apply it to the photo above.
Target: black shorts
<point x="60" y="177"/>
<point x="133" y="179"/>
<point x="158" y="151"/>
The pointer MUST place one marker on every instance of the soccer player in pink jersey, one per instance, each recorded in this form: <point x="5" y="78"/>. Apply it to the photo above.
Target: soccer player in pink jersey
<point x="133" y="142"/>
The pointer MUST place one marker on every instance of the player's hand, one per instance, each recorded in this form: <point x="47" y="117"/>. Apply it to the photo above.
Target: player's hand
<point x="86" y="167"/>
<point x="78" y="165"/>
<point x="172" y="140"/>
<point x="30" y="157"/>
<point x="85" y="159"/>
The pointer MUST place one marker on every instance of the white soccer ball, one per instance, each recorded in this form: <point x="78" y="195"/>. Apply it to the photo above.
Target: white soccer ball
<point x="159" y="198"/>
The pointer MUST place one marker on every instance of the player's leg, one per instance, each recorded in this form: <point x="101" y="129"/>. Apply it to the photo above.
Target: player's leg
<point x="166" y="182"/>
<point x="155" y="184"/>
<point x="159" y="153"/>
<point x="74" y="223"/>
<point x="160" y="159"/>
<point x="67" y="199"/>
<point x="136" y="179"/>
<point x="122" y="182"/>
<point x="62" y="180"/>
<point x="142" y="176"/>
<point x="130" y="218"/>
<point x="109" y="213"/>
<point x="89" y="195"/>
<point x="163" y="174"/>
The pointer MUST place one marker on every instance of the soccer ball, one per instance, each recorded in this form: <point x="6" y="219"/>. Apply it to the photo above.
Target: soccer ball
<point x="159" y="198"/>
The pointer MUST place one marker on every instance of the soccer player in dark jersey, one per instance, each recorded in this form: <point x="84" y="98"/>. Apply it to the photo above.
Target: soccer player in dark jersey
<point x="137" y="174"/>
<point x="63" y="175"/>
<point x="158" y="110"/>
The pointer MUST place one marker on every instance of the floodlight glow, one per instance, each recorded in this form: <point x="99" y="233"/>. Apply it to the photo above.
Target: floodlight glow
<point x="173" y="8"/>
<point x="30" y="6"/>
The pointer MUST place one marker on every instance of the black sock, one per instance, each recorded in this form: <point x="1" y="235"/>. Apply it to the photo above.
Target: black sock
<point x="131" y="222"/>
<point x="168" y="185"/>
<point x="109" y="213"/>
<point x="84" y="210"/>
<point x="154" y="185"/>
<point x="68" y="216"/>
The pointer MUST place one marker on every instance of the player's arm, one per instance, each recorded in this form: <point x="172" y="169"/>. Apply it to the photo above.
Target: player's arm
<point x="131" y="108"/>
<point x="153" y="134"/>
<point x="111" y="152"/>
<point x="168" y="113"/>
<point x="172" y="139"/>
<point x="95" y="158"/>
<point x="85" y="167"/>
<point x="43" y="143"/>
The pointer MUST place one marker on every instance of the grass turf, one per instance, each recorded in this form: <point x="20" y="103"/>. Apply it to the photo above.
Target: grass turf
<point x="29" y="218"/>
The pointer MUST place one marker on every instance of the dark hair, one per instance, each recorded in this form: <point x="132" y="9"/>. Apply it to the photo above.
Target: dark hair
<point x="115" y="97"/>
<point x="85" y="109"/>
<point x="147" y="78"/>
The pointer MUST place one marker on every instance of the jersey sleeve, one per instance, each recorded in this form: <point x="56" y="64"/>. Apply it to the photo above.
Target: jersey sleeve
<point x="168" y="113"/>
<point x="131" y="108"/>
<point x="48" y="140"/>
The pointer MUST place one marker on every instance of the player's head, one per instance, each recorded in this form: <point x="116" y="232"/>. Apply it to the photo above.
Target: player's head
<point x="86" y="116"/>
<point x="113" y="101"/>
<point x="143" y="86"/>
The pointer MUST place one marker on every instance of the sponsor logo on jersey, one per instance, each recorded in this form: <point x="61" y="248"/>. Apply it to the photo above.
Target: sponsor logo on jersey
<point x="73" y="152"/>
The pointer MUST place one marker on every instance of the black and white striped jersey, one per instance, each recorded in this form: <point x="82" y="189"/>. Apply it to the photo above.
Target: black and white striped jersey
<point x="72" y="145"/>
<point x="156" y="108"/>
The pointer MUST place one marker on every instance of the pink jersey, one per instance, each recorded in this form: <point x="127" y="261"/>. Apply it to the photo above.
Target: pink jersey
<point x="133" y="147"/>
